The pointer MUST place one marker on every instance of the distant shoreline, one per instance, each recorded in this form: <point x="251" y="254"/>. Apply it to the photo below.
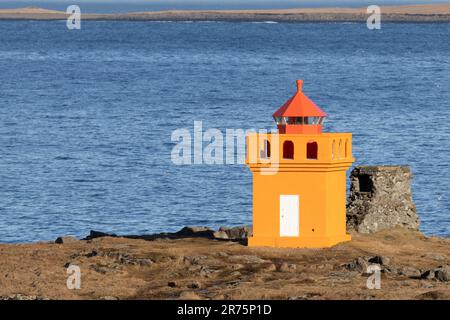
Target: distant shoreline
<point x="411" y="13"/>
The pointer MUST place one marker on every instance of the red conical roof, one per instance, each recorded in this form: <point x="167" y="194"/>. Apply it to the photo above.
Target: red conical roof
<point x="299" y="106"/>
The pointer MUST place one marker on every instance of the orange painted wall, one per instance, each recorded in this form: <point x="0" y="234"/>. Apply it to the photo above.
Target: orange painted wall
<point x="320" y="184"/>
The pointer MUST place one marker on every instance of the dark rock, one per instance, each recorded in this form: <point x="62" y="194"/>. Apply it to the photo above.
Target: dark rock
<point x="429" y="274"/>
<point x="193" y="232"/>
<point x="91" y="254"/>
<point x="381" y="260"/>
<point x="194" y="285"/>
<point x="381" y="198"/>
<point x="172" y="284"/>
<point x="97" y="234"/>
<point x="66" y="239"/>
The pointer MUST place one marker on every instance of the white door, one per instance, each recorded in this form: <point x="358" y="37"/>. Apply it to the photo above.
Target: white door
<point x="289" y="215"/>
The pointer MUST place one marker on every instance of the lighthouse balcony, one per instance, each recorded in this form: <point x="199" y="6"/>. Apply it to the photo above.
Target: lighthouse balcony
<point x="287" y="150"/>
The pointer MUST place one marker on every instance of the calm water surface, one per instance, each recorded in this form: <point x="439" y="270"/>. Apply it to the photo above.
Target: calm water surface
<point x="86" y="116"/>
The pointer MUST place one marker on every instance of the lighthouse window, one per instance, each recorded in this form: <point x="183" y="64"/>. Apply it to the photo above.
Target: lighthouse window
<point x="288" y="150"/>
<point x="298" y="120"/>
<point x="290" y="120"/>
<point x="311" y="150"/>
<point x="311" y="120"/>
<point x="277" y="120"/>
<point x="321" y="119"/>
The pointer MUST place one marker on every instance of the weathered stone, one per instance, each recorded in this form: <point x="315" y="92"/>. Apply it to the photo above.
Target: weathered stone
<point x="237" y="233"/>
<point x="441" y="273"/>
<point x="380" y="198"/>
<point x="269" y="267"/>
<point x="222" y="235"/>
<point x="287" y="267"/>
<point x="235" y="266"/>
<point x="172" y="284"/>
<point x="410" y="272"/>
<point x="359" y="265"/>
<point x="66" y="239"/>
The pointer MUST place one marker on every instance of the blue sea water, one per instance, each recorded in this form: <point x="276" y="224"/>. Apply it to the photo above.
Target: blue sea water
<point x="86" y="115"/>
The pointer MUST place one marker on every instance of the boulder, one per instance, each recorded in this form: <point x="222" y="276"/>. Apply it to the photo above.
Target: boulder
<point x="359" y="264"/>
<point x="441" y="273"/>
<point x="221" y="235"/>
<point x="194" y="232"/>
<point x="288" y="267"/>
<point x="237" y="233"/>
<point x="381" y="260"/>
<point x="410" y="272"/>
<point x="66" y="239"/>
<point x="98" y="234"/>
<point x="381" y="198"/>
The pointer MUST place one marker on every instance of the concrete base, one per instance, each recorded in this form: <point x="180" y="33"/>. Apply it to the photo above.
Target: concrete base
<point x="298" y="242"/>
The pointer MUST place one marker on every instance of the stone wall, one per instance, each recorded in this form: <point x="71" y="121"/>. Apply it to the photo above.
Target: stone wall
<point x="380" y="198"/>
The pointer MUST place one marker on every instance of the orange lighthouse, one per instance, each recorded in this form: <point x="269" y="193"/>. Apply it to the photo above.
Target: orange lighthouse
<point x="299" y="179"/>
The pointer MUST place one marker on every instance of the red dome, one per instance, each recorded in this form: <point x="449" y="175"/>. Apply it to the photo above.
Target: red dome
<point x="299" y="114"/>
<point x="299" y="106"/>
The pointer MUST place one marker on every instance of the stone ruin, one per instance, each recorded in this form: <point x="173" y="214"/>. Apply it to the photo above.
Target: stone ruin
<point x="380" y="198"/>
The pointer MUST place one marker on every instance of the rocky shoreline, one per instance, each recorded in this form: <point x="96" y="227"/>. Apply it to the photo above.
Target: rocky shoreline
<point x="200" y="263"/>
<point x="419" y="13"/>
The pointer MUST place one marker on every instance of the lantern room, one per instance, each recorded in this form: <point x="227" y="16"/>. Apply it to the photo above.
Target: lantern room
<point x="299" y="114"/>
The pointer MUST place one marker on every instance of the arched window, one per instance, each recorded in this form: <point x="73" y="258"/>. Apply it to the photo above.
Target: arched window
<point x="311" y="150"/>
<point x="340" y="149"/>
<point x="288" y="150"/>
<point x="265" y="151"/>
